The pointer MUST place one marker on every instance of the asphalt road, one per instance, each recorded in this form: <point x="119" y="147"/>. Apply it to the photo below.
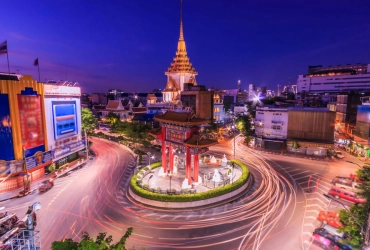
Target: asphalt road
<point x="278" y="212"/>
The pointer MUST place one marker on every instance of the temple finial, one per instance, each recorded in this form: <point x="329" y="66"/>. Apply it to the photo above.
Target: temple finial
<point x="181" y="30"/>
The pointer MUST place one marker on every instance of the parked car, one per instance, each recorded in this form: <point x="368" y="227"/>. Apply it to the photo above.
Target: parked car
<point x="330" y="217"/>
<point x="46" y="185"/>
<point x="328" y="233"/>
<point x="346" y="195"/>
<point x="339" y="154"/>
<point x="346" y="183"/>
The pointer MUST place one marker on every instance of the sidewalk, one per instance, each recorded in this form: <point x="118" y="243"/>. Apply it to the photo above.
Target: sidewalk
<point x="35" y="185"/>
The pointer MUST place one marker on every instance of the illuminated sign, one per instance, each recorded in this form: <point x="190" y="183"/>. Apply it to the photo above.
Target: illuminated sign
<point x="30" y="120"/>
<point x="65" y="119"/>
<point x="69" y="149"/>
<point x="39" y="158"/>
<point x="61" y="90"/>
<point x="6" y="140"/>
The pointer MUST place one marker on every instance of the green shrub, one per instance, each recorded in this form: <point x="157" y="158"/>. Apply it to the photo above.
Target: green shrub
<point x="191" y="197"/>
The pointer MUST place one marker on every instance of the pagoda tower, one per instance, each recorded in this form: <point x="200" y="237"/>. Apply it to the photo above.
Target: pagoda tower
<point x="181" y="71"/>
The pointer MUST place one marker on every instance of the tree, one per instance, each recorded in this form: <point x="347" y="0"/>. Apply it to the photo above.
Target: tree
<point x="112" y="118"/>
<point x="88" y="120"/>
<point x="243" y="123"/>
<point x="102" y="242"/>
<point x="358" y="214"/>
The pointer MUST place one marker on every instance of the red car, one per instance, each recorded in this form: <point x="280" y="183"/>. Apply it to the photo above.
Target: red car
<point x="330" y="217"/>
<point x="346" y="195"/>
<point x="46" y="185"/>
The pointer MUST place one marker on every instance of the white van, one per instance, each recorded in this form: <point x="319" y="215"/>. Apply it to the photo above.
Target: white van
<point x="333" y="230"/>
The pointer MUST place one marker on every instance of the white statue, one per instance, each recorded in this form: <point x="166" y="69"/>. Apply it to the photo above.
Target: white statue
<point x="161" y="172"/>
<point x="185" y="184"/>
<point x="213" y="159"/>
<point x="224" y="161"/>
<point x="200" y="181"/>
<point x="216" y="176"/>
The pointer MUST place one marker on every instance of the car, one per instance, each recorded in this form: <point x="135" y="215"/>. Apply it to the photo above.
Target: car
<point x="339" y="154"/>
<point x="330" y="217"/>
<point x="46" y="185"/>
<point x="344" y="194"/>
<point x="325" y="234"/>
<point x="346" y="183"/>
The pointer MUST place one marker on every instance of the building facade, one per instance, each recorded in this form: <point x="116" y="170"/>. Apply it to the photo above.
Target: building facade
<point x="335" y="79"/>
<point x="271" y="127"/>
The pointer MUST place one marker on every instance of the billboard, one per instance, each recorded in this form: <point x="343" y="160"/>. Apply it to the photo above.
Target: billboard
<point x="6" y="140"/>
<point x="39" y="158"/>
<point x="10" y="167"/>
<point x="363" y="114"/>
<point x="61" y="90"/>
<point x="64" y="119"/>
<point x="69" y="149"/>
<point x="30" y="119"/>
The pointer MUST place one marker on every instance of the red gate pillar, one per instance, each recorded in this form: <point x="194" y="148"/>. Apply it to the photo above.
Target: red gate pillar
<point x="196" y="167"/>
<point x="188" y="165"/>
<point x="170" y="148"/>
<point x="164" y="160"/>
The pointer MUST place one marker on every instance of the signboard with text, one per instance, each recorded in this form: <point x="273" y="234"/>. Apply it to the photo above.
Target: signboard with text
<point x="6" y="140"/>
<point x="61" y="90"/>
<point x="30" y="120"/>
<point x="69" y="149"/>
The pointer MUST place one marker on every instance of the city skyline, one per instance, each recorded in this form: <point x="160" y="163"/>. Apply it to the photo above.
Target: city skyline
<point x="130" y="45"/>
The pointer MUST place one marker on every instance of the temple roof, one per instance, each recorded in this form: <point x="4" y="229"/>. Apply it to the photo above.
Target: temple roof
<point x="181" y="62"/>
<point x="181" y="118"/>
<point x="199" y="141"/>
<point x="171" y="86"/>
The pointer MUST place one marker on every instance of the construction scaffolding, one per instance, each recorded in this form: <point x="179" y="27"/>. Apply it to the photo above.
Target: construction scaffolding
<point x="26" y="240"/>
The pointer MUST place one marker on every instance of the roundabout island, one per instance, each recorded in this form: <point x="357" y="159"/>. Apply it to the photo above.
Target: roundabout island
<point x="183" y="180"/>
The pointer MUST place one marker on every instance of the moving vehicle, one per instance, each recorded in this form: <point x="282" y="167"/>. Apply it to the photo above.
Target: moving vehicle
<point x="344" y="194"/>
<point x="346" y="183"/>
<point x="7" y="222"/>
<point x="339" y="154"/>
<point x="46" y="185"/>
<point x="330" y="217"/>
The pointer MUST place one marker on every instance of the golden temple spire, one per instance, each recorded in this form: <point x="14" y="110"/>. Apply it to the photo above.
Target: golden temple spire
<point x="181" y="47"/>
<point x="181" y="30"/>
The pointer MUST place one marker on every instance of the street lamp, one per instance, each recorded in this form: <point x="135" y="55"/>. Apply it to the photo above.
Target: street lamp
<point x="149" y="179"/>
<point x="232" y="172"/>
<point x="234" y="133"/>
<point x="354" y="163"/>
<point x="169" y="173"/>
<point x="149" y="154"/>
<point x="350" y="214"/>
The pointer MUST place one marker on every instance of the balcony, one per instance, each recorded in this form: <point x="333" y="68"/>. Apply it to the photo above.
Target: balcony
<point x="277" y="122"/>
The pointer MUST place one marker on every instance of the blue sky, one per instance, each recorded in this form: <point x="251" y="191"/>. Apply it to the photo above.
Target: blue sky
<point x="129" y="44"/>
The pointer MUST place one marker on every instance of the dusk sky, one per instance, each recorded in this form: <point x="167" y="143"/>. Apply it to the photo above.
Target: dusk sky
<point x="129" y="44"/>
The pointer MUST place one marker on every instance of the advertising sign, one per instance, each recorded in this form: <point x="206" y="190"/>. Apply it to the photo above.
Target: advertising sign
<point x="6" y="140"/>
<point x="69" y="149"/>
<point x="10" y="167"/>
<point x="61" y="90"/>
<point x="65" y="119"/>
<point x="39" y="158"/>
<point x="30" y="120"/>
<point x="363" y="114"/>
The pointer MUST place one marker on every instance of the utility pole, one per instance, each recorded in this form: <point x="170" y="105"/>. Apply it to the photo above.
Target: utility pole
<point x="87" y="145"/>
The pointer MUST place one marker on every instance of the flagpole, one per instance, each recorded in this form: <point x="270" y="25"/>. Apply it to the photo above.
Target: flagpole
<point x="38" y="66"/>
<point x="7" y="57"/>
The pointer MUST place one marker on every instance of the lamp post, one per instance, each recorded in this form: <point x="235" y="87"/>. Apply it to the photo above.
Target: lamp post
<point x="149" y="154"/>
<point x="169" y="173"/>
<point x="354" y="163"/>
<point x="149" y="179"/>
<point x="232" y="172"/>
<point x="26" y="183"/>
<point x="234" y="133"/>
<point x="87" y="145"/>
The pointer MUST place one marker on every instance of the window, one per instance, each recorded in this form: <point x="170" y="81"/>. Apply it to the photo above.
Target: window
<point x="276" y="127"/>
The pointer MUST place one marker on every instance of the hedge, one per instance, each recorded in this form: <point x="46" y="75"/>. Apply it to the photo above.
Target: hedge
<point x="190" y="197"/>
